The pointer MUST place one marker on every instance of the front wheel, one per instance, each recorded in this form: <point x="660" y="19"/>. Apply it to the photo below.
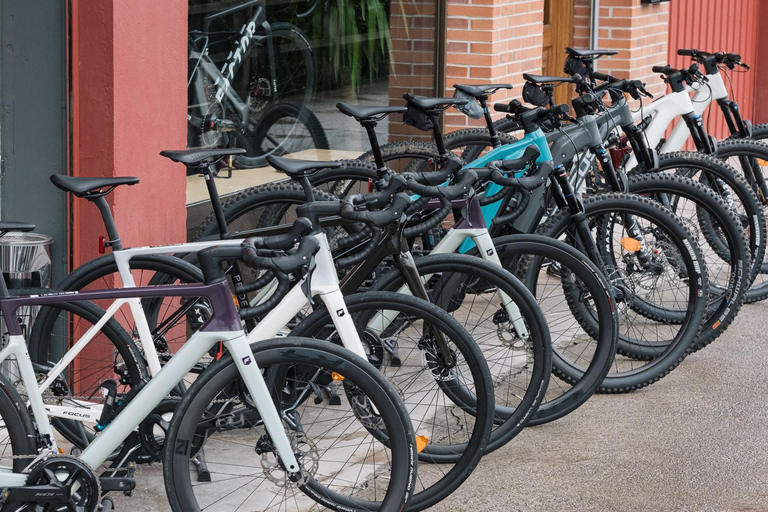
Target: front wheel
<point x="356" y="452"/>
<point x="658" y="276"/>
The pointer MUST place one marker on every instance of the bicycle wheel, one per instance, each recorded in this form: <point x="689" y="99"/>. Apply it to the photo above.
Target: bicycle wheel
<point x="169" y="318"/>
<point x="739" y="196"/>
<point x="284" y="128"/>
<point x="751" y="158"/>
<point x="110" y="355"/>
<point x="244" y="210"/>
<point x="18" y="436"/>
<point x="728" y="274"/>
<point x="451" y="407"/>
<point x="344" y="463"/>
<point x="566" y="284"/>
<point x="660" y="283"/>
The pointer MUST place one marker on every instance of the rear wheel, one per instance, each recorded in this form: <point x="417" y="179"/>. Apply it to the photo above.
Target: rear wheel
<point x="451" y="408"/>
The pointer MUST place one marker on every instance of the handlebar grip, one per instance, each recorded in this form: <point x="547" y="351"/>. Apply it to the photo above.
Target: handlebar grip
<point x="356" y="258"/>
<point x="604" y="77"/>
<point x="687" y="53"/>
<point x="280" y="264"/>
<point x="518" y="210"/>
<point x="283" y="284"/>
<point x="432" y="221"/>
<point x="354" y="238"/>
<point x="379" y="218"/>
<point x="450" y="192"/>
<point x="666" y="70"/>
<point x="503" y="107"/>
<point x="301" y="226"/>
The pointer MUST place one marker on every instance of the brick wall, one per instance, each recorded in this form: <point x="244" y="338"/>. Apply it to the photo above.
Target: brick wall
<point x="491" y="41"/>
<point x="639" y="32"/>
<point x="582" y="10"/>
<point x="412" y="27"/>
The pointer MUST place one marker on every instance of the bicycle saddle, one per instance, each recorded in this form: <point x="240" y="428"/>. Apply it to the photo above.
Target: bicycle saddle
<point x="85" y="186"/>
<point x="425" y="103"/>
<point x="299" y="168"/>
<point x="541" y="79"/>
<point x="479" y="90"/>
<point x="585" y="53"/>
<point x="362" y="113"/>
<point x="196" y="156"/>
<point x="15" y="226"/>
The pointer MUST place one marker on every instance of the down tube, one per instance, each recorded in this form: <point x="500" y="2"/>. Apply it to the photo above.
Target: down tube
<point x="514" y="150"/>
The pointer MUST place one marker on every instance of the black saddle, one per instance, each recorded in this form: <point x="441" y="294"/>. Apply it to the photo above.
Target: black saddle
<point x="90" y="186"/>
<point x="426" y="103"/>
<point x="196" y="156"/>
<point x="583" y="53"/>
<point x="363" y="113"/>
<point x="480" y="90"/>
<point x="541" y="79"/>
<point x="15" y="226"/>
<point x="299" y="168"/>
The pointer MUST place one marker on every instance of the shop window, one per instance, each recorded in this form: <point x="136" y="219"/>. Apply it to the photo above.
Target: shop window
<point x="274" y="91"/>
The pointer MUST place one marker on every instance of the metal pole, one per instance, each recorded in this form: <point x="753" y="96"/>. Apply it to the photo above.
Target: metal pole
<point x="594" y="28"/>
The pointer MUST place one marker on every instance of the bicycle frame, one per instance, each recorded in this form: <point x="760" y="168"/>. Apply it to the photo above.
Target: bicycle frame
<point x="224" y="327"/>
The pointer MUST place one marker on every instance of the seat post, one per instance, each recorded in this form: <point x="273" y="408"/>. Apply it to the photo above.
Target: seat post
<point x="370" y="128"/>
<point x="438" y="133"/>
<point x="218" y="210"/>
<point x="109" y="222"/>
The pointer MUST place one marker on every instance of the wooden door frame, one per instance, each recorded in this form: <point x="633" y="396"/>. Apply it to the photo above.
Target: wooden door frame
<point x="560" y="16"/>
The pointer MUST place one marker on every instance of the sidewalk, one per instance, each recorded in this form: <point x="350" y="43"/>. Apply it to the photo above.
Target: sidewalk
<point x="696" y="440"/>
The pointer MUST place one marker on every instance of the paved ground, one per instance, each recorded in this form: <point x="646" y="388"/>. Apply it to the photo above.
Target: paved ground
<point x="694" y="441"/>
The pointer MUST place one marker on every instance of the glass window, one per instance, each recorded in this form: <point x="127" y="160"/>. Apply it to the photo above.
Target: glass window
<point x="266" y="75"/>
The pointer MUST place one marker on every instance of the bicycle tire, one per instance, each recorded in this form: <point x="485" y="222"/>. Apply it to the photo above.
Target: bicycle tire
<point x="728" y="305"/>
<point x="305" y="131"/>
<point x="17" y="428"/>
<point x="688" y="164"/>
<point x="464" y="455"/>
<point x="661" y="356"/>
<point x="289" y="351"/>
<point x="581" y="282"/>
<point x="282" y="193"/>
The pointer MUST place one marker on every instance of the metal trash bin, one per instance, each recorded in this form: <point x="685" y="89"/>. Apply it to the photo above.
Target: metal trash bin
<point x="25" y="261"/>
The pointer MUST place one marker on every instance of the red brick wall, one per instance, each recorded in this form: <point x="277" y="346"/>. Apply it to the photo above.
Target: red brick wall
<point x="412" y="27"/>
<point x="639" y="32"/>
<point x="582" y="10"/>
<point x="491" y="41"/>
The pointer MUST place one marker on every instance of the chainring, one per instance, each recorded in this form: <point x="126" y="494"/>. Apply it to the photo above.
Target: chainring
<point x="66" y="471"/>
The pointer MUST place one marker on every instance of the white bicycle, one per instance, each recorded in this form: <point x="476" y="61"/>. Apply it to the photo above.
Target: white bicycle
<point x="230" y="406"/>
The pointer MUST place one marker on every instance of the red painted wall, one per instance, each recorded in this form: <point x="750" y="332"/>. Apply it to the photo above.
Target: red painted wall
<point x="128" y="89"/>
<point x="719" y="26"/>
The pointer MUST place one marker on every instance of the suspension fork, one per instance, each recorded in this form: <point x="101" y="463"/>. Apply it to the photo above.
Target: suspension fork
<point x="701" y="138"/>
<point x="737" y="126"/>
<point x="619" y="184"/>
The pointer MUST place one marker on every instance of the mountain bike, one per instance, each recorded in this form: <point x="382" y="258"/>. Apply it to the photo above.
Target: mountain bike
<point x="257" y="98"/>
<point x="231" y="402"/>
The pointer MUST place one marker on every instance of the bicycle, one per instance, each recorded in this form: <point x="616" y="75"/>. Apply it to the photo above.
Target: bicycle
<point x="257" y="98"/>
<point x="42" y="477"/>
<point x="464" y="448"/>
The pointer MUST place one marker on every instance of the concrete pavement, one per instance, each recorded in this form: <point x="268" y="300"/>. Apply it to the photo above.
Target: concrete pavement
<point x="695" y="441"/>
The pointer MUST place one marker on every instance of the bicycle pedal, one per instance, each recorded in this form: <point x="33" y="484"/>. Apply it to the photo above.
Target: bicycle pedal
<point x="107" y="505"/>
<point x="117" y="483"/>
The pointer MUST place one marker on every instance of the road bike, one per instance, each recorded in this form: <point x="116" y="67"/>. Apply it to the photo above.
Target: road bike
<point x="230" y="401"/>
<point x="257" y="95"/>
